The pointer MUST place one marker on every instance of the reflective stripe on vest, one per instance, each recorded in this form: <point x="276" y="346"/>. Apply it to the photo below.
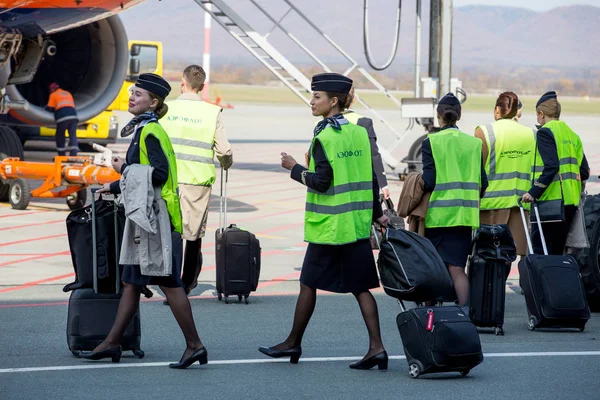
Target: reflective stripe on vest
<point x="169" y="189"/>
<point x="511" y="148"/>
<point x="342" y="214"/>
<point x="455" y="198"/>
<point x="570" y="156"/>
<point x="191" y="126"/>
<point x="63" y="99"/>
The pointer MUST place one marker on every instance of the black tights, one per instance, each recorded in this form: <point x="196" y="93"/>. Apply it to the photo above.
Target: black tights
<point x="180" y="307"/>
<point x="192" y="263"/>
<point x="304" y="310"/>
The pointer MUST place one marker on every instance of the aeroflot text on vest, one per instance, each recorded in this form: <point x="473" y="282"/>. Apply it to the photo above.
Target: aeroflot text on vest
<point x="344" y="154"/>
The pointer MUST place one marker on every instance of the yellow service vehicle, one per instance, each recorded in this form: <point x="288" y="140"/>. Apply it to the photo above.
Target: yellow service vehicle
<point x="144" y="57"/>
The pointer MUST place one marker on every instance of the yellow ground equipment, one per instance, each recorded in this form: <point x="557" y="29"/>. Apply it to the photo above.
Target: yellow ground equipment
<point x="71" y="175"/>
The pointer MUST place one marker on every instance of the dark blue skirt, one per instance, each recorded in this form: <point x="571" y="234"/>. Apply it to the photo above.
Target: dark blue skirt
<point x="347" y="268"/>
<point x="452" y="244"/>
<point x="133" y="275"/>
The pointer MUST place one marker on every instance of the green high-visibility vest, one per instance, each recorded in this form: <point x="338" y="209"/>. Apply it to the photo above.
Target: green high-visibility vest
<point x="169" y="189"/>
<point x="192" y="125"/>
<point x="455" y="199"/>
<point x="352" y="116"/>
<point x="570" y="157"/>
<point x="344" y="213"/>
<point x="508" y="166"/>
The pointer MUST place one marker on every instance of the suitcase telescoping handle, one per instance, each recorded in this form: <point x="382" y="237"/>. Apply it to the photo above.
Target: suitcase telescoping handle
<point x="95" y="245"/>
<point x="537" y="218"/>
<point x="223" y="201"/>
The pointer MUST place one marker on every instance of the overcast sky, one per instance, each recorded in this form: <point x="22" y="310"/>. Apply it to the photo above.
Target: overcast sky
<point x="537" y="5"/>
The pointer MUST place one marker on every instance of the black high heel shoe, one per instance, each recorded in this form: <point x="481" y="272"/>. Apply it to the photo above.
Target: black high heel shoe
<point x="379" y="359"/>
<point x="114" y="353"/>
<point x="200" y="355"/>
<point x="294" y="353"/>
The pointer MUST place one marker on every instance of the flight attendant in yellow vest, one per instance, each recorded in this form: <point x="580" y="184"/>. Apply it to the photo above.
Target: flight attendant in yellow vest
<point x="560" y="168"/>
<point x="341" y="204"/>
<point x="367" y="123"/>
<point x="197" y="133"/>
<point x="508" y="149"/>
<point x="454" y="172"/>
<point x="150" y="145"/>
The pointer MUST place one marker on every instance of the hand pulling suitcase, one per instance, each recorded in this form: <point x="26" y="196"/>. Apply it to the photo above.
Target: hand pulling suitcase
<point x="553" y="287"/>
<point x="92" y="314"/>
<point x="438" y="339"/>
<point x="237" y="256"/>
<point x="489" y="267"/>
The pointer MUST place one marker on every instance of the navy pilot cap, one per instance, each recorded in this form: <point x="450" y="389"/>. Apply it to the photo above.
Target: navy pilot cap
<point x="545" y="97"/>
<point x="155" y="84"/>
<point x="331" y="82"/>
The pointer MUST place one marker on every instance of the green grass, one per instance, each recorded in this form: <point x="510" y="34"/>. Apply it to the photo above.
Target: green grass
<point x="280" y="95"/>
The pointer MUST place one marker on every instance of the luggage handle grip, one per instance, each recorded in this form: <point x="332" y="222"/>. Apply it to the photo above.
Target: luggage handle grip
<point x="539" y="223"/>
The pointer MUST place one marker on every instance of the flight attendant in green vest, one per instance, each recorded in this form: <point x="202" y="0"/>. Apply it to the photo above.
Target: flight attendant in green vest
<point x="150" y="145"/>
<point x="560" y="170"/>
<point x="454" y="173"/>
<point x="341" y="204"/>
<point x="508" y="150"/>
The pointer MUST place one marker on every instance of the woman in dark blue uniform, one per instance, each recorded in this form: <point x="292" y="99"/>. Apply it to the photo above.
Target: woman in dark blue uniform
<point x="346" y="268"/>
<point x="452" y="243"/>
<point x="146" y="103"/>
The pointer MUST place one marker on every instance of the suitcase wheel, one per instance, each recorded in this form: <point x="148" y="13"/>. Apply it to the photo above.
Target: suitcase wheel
<point x="139" y="353"/>
<point x="246" y="299"/>
<point x="75" y="353"/>
<point x="414" y="370"/>
<point x="219" y="296"/>
<point x="240" y="298"/>
<point x="499" y="331"/>
<point x="226" y="299"/>
<point x="465" y="372"/>
<point x="582" y="328"/>
<point x="532" y="323"/>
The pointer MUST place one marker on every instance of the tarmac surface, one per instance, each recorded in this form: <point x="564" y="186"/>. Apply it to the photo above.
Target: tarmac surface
<point x="35" y="264"/>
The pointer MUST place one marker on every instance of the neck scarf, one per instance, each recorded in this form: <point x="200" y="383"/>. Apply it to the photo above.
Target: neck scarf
<point x="335" y="122"/>
<point x="147" y="117"/>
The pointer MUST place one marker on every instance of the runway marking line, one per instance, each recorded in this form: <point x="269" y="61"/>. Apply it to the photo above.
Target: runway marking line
<point x="32" y="239"/>
<point x="105" y="365"/>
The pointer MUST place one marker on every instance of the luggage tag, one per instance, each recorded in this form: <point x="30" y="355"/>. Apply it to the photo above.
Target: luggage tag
<point x="430" y="315"/>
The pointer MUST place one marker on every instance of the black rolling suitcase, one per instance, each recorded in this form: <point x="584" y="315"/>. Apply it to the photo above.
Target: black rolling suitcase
<point x="438" y="339"/>
<point x="553" y="288"/>
<point x="489" y="266"/>
<point x="237" y="256"/>
<point x="91" y="314"/>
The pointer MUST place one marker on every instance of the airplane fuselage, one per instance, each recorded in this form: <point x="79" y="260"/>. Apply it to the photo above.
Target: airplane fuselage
<point x="44" y="17"/>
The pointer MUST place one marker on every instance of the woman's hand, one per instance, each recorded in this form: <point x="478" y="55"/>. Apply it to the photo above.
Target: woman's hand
<point x="386" y="193"/>
<point x="383" y="220"/>
<point x="105" y="188"/>
<point x="527" y="198"/>
<point x="287" y="161"/>
<point x="117" y="163"/>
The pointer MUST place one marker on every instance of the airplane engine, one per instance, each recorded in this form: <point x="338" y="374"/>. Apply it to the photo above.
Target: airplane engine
<point x="89" y="61"/>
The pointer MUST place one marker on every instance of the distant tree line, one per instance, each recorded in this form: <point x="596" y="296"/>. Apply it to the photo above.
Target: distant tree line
<point x="522" y="80"/>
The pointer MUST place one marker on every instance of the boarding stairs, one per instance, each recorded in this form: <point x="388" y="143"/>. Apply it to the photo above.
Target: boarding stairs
<point x="259" y="46"/>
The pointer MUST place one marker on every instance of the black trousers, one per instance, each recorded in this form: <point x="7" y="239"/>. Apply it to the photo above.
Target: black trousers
<point x="69" y="125"/>
<point x="555" y="233"/>
<point x="192" y="263"/>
